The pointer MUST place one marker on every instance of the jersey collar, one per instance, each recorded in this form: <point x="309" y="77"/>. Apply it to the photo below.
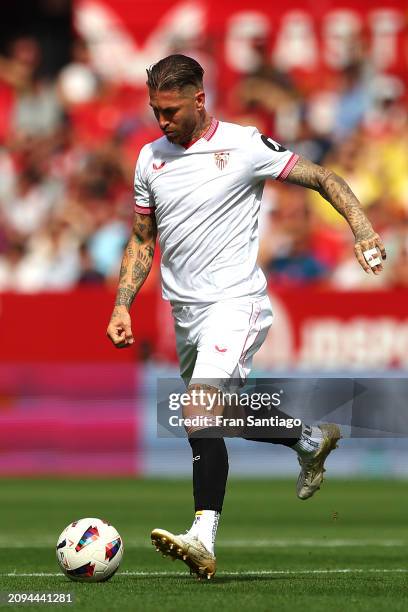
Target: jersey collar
<point x="207" y="135"/>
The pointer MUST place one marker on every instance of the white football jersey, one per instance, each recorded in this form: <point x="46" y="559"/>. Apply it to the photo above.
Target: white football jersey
<point x="206" y="200"/>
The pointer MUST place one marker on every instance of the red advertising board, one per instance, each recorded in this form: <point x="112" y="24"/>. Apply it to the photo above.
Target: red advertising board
<point x="68" y="327"/>
<point x="301" y="35"/>
<point x="330" y="330"/>
<point x="315" y="329"/>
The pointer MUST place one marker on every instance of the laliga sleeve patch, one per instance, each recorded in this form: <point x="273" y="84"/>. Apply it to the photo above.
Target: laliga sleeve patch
<point x="272" y="144"/>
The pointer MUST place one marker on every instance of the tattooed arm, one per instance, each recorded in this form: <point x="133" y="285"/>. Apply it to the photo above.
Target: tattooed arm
<point x="136" y="264"/>
<point x="336" y="191"/>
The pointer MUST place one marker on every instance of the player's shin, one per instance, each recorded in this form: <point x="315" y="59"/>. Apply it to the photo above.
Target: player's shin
<point x="272" y="433"/>
<point x="210" y="473"/>
<point x="305" y="439"/>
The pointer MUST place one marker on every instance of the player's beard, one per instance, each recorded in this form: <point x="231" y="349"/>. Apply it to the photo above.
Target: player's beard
<point x="184" y="135"/>
<point x="172" y="138"/>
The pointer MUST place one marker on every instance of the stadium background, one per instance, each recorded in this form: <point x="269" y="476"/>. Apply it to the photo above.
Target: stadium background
<point x="329" y="80"/>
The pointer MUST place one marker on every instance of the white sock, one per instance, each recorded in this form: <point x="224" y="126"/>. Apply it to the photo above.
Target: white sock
<point x="309" y="440"/>
<point x="205" y="527"/>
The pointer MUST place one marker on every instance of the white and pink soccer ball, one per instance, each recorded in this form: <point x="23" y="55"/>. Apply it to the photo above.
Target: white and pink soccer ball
<point x="89" y="550"/>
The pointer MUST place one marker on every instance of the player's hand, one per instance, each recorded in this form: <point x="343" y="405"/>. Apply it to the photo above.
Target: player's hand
<point x="370" y="252"/>
<point x="120" y="328"/>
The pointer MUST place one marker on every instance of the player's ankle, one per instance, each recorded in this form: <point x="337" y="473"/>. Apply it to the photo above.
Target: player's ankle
<point x="204" y="528"/>
<point x="310" y="440"/>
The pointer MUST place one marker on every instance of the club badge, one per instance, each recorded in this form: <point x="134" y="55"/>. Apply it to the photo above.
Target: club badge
<point x="221" y="159"/>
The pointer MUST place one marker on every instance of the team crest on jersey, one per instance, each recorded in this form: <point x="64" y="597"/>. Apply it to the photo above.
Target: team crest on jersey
<point x="221" y="159"/>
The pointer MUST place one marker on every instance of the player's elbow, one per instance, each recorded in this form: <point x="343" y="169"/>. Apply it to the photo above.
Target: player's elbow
<point x="323" y="179"/>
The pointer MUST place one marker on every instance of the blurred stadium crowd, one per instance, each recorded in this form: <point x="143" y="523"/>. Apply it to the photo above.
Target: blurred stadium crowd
<point x="68" y="146"/>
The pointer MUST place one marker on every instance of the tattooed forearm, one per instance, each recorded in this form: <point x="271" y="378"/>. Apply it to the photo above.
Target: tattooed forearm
<point x="123" y="270"/>
<point x="125" y="296"/>
<point x="139" y="274"/>
<point x="149" y="251"/>
<point x="137" y="259"/>
<point x="335" y="190"/>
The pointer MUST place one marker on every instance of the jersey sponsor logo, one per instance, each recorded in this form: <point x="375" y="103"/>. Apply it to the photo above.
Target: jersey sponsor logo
<point x="272" y="144"/>
<point x="158" y="166"/>
<point x="221" y="159"/>
<point x="220" y="350"/>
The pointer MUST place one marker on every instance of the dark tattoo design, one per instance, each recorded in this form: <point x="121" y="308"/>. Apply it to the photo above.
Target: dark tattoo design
<point x="336" y="191"/>
<point x="144" y="227"/>
<point x="123" y="270"/>
<point x="144" y="257"/>
<point x="125" y="297"/>
<point x="139" y="274"/>
<point x="137" y="260"/>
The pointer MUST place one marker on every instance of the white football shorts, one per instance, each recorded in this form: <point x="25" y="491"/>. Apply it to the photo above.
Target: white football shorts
<point x="217" y="342"/>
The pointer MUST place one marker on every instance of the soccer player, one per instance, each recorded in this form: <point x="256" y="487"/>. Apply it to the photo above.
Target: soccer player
<point x="199" y="188"/>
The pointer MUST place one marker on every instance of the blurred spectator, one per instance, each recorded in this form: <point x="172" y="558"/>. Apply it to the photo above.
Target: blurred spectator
<point x="353" y="161"/>
<point x="78" y="82"/>
<point x="108" y="241"/>
<point x="36" y="109"/>
<point x="8" y="176"/>
<point x="32" y="203"/>
<point x="9" y="265"/>
<point x="88" y="275"/>
<point x="353" y="99"/>
<point x="288" y="257"/>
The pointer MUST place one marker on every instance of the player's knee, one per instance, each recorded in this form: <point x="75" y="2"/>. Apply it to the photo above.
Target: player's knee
<point x="204" y="409"/>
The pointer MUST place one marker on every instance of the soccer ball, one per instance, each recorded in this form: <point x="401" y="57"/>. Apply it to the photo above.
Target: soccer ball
<point x="89" y="550"/>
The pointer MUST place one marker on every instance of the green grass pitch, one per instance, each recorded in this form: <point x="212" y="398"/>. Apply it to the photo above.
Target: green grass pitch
<point x="344" y="549"/>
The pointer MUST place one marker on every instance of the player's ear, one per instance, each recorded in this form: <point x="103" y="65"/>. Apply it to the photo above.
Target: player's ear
<point x="200" y="99"/>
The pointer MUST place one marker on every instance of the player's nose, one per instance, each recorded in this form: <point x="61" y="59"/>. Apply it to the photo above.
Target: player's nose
<point x="163" y="123"/>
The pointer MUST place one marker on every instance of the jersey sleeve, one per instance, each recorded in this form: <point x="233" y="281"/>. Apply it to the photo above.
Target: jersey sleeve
<point x="144" y="202"/>
<point x="270" y="160"/>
